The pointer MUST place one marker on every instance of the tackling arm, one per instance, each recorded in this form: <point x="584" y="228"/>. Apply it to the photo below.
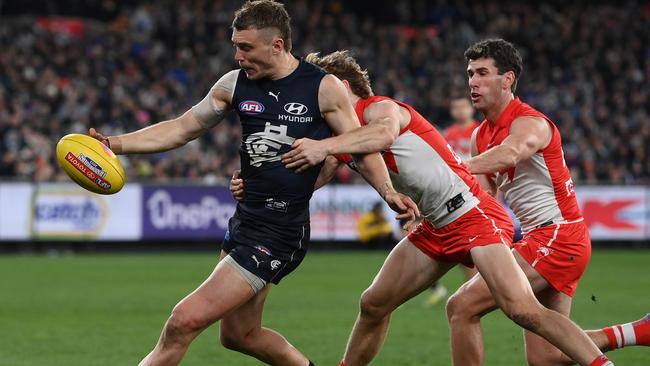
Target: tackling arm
<point x="381" y="130"/>
<point x="527" y="136"/>
<point x="341" y="118"/>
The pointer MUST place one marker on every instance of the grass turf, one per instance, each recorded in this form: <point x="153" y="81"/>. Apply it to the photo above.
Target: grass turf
<point x="109" y="309"/>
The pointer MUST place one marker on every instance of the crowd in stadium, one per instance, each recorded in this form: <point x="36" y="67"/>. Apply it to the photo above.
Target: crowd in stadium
<point x="145" y="63"/>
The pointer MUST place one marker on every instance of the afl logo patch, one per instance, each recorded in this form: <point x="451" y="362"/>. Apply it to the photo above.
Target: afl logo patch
<point x="296" y="109"/>
<point x="251" y="107"/>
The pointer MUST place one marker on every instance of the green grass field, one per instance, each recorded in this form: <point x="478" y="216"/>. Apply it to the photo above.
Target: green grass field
<point x="109" y="309"/>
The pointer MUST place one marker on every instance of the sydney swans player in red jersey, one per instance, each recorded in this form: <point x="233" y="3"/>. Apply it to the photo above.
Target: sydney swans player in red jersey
<point x="462" y="223"/>
<point x="459" y="134"/>
<point x="521" y="155"/>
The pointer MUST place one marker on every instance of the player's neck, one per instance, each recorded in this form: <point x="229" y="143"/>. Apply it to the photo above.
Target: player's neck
<point x="354" y="99"/>
<point x="493" y="114"/>
<point x="286" y="65"/>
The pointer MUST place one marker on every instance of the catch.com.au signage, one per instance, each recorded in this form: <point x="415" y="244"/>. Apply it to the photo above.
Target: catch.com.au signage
<point x="66" y="211"/>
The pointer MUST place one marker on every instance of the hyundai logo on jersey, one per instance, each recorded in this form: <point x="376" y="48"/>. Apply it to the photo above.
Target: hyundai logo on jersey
<point x="296" y="109"/>
<point x="251" y="107"/>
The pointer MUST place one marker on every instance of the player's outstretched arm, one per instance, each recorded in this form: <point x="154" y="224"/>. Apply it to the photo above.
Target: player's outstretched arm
<point x="527" y="136"/>
<point x="159" y="137"/>
<point x="179" y="131"/>
<point x="340" y="116"/>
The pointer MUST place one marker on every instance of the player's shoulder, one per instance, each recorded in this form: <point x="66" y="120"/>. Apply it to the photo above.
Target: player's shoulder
<point x="482" y="126"/>
<point x="312" y="69"/>
<point x="526" y="110"/>
<point x="331" y="88"/>
<point x="379" y="102"/>
<point x="330" y="81"/>
<point x="482" y="131"/>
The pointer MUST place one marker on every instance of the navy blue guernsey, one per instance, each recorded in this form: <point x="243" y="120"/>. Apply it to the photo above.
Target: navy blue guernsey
<point x="273" y="114"/>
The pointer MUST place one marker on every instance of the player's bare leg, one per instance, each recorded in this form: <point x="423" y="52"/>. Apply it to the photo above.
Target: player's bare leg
<point x="464" y="310"/>
<point x="514" y="295"/>
<point x="405" y="273"/>
<point x="242" y="331"/>
<point x="224" y="290"/>
<point x="473" y="300"/>
<point x="469" y="272"/>
<point x="541" y="353"/>
<point x="538" y="350"/>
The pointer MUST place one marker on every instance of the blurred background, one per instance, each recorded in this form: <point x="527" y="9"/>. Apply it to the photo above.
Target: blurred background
<point x="118" y="66"/>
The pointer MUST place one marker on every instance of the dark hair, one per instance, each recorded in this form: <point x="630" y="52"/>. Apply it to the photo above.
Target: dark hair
<point x="260" y="14"/>
<point x="344" y="67"/>
<point x="505" y="55"/>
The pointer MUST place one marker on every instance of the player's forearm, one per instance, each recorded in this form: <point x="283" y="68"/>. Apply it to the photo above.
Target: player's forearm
<point x="373" y="169"/>
<point x="163" y="136"/>
<point x="486" y="184"/>
<point x="327" y="172"/>
<point x="363" y="140"/>
<point x="494" y="160"/>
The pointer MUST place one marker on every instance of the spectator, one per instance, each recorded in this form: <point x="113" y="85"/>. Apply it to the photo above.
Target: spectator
<point x="147" y="61"/>
<point x="374" y="229"/>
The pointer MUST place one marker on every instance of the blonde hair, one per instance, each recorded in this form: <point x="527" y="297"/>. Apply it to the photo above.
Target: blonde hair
<point x="344" y="67"/>
<point x="263" y="14"/>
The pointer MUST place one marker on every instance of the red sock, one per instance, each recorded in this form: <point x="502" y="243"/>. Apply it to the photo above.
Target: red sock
<point x="601" y="360"/>
<point x="342" y="363"/>
<point x="642" y="331"/>
<point x="611" y="333"/>
<point x="629" y="334"/>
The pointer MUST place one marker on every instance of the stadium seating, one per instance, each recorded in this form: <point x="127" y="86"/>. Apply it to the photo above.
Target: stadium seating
<point x="146" y="63"/>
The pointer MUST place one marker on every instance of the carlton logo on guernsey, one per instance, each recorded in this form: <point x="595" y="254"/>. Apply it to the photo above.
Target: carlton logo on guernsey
<point x="539" y="190"/>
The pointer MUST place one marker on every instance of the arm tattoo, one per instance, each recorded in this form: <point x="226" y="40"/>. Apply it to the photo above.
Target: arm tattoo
<point x="385" y="188"/>
<point x="206" y="111"/>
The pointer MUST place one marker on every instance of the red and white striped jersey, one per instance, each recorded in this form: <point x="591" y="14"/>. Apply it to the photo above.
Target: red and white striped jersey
<point x="423" y="166"/>
<point x="460" y="139"/>
<point x="538" y="189"/>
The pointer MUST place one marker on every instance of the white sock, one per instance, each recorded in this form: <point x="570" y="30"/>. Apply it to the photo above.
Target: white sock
<point x="624" y="335"/>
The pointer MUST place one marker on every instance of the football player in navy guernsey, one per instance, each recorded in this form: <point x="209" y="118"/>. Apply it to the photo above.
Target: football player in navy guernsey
<point x="279" y="99"/>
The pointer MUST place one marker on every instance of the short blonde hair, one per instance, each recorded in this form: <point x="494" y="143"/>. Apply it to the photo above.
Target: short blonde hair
<point x="344" y="67"/>
<point x="262" y="14"/>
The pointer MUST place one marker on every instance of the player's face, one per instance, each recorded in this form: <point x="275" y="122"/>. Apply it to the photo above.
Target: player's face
<point x="461" y="110"/>
<point x="485" y="84"/>
<point x="253" y="51"/>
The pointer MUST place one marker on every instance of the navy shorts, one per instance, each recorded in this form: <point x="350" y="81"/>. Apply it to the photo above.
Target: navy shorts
<point x="268" y="251"/>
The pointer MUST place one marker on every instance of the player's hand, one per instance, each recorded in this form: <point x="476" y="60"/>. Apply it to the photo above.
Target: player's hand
<point x="404" y="206"/>
<point x="98" y="136"/>
<point x="237" y="185"/>
<point x="305" y="153"/>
